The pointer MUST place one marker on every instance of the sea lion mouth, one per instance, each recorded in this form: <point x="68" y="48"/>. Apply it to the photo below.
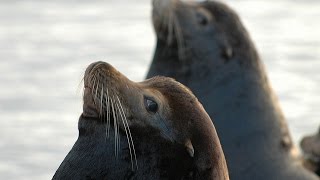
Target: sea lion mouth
<point x="101" y="82"/>
<point x="104" y="101"/>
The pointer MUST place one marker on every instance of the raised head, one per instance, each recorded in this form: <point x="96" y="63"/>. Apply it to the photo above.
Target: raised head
<point x="161" y="106"/>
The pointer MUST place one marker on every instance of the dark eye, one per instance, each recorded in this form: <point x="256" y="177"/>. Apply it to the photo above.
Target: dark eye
<point x="202" y="19"/>
<point x="151" y="105"/>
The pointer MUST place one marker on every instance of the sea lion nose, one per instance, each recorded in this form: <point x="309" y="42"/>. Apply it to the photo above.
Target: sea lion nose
<point x="96" y="65"/>
<point x="92" y="65"/>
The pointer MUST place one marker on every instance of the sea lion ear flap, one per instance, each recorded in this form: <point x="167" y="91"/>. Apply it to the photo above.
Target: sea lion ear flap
<point x="189" y="148"/>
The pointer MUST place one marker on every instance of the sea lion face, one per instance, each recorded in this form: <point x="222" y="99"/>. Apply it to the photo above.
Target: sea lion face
<point x="197" y="28"/>
<point x="199" y="33"/>
<point x="112" y="98"/>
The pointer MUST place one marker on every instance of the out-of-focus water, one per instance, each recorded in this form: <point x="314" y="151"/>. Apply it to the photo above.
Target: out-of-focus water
<point x="45" y="47"/>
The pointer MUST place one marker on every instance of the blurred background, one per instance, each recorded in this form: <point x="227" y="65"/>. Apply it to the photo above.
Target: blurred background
<point x="45" y="47"/>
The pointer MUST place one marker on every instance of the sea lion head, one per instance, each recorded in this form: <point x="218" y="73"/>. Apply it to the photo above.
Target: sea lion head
<point x="203" y="34"/>
<point x="159" y="105"/>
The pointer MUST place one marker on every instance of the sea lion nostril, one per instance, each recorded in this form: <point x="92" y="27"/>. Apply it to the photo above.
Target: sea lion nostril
<point x="227" y="53"/>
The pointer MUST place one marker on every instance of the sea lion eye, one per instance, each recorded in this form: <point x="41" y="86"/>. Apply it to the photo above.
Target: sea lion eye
<point x="151" y="105"/>
<point x="202" y="19"/>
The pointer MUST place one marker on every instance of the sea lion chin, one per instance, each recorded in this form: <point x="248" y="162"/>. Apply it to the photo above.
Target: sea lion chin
<point x="155" y="129"/>
<point x="205" y="46"/>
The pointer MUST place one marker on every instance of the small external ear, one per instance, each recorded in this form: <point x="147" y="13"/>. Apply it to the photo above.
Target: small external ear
<point x="189" y="148"/>
<point x="228" y="52"/>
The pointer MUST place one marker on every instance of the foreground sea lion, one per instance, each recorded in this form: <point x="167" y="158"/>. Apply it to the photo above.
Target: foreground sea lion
<point x="205" y="46"/>
<point x="155" y="129"/>
<point x="310" y="146"/>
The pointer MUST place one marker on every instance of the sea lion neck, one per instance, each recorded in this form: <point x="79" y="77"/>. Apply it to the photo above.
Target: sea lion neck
<point x="165" y="56"/>
<point x="196" y="131"/>
<point x="208" y="154"/>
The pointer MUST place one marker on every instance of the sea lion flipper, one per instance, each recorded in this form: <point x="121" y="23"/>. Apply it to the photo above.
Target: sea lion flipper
<point x="189" y="148"/>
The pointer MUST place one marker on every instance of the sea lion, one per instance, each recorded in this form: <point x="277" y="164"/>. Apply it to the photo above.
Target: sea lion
<point x="155" y="129"/>
<point x="205" y="46"/>
<point x="310" y="146"/>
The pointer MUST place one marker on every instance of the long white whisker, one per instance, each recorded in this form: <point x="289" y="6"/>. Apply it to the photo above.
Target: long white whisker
<point x="101" y="103"/>
<point x="92" y="88"/>
<point x="96" y="93"/>
<point x="108" y="114"/>
<point x="126" y="130"/>
<point x="118" y="126"/>
<point x="115" y="128"/>
<point x="132" y="144"/>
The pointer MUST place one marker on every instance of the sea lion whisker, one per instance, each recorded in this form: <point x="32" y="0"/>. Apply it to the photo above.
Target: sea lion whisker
<point x="80" y="86"/>
<point x="126" y="131"/>
<point x="118" y="126"/>
<point x="102" y="110"/>
<point x="96" y="93"/>
<point x="170" y="28"/>
<point x="115" y="128"/>
<point x="126" y="125"/>
<point x="163" y="22"/>
<point x="108" y="114"/>
<point x="101" y="103"/>
<point x="180" y="38"/>
<point x="93" y="85"/>
<point x="132" y="144"/>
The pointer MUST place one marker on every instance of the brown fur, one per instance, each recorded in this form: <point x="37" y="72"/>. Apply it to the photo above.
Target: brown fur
<point x="182" y="113"/>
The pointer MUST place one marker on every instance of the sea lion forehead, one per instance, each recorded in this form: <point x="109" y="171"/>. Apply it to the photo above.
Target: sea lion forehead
<point x="103" y="67"/>
<point x="162" y="82"/>
<point x="219" y="10"/>
<point x="169" y="88"/>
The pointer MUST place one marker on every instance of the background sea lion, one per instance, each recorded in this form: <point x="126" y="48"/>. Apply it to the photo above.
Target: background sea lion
<point x="311" y="149"/>
<point x="205" y="46"/>
<point x="155" y="129"/>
